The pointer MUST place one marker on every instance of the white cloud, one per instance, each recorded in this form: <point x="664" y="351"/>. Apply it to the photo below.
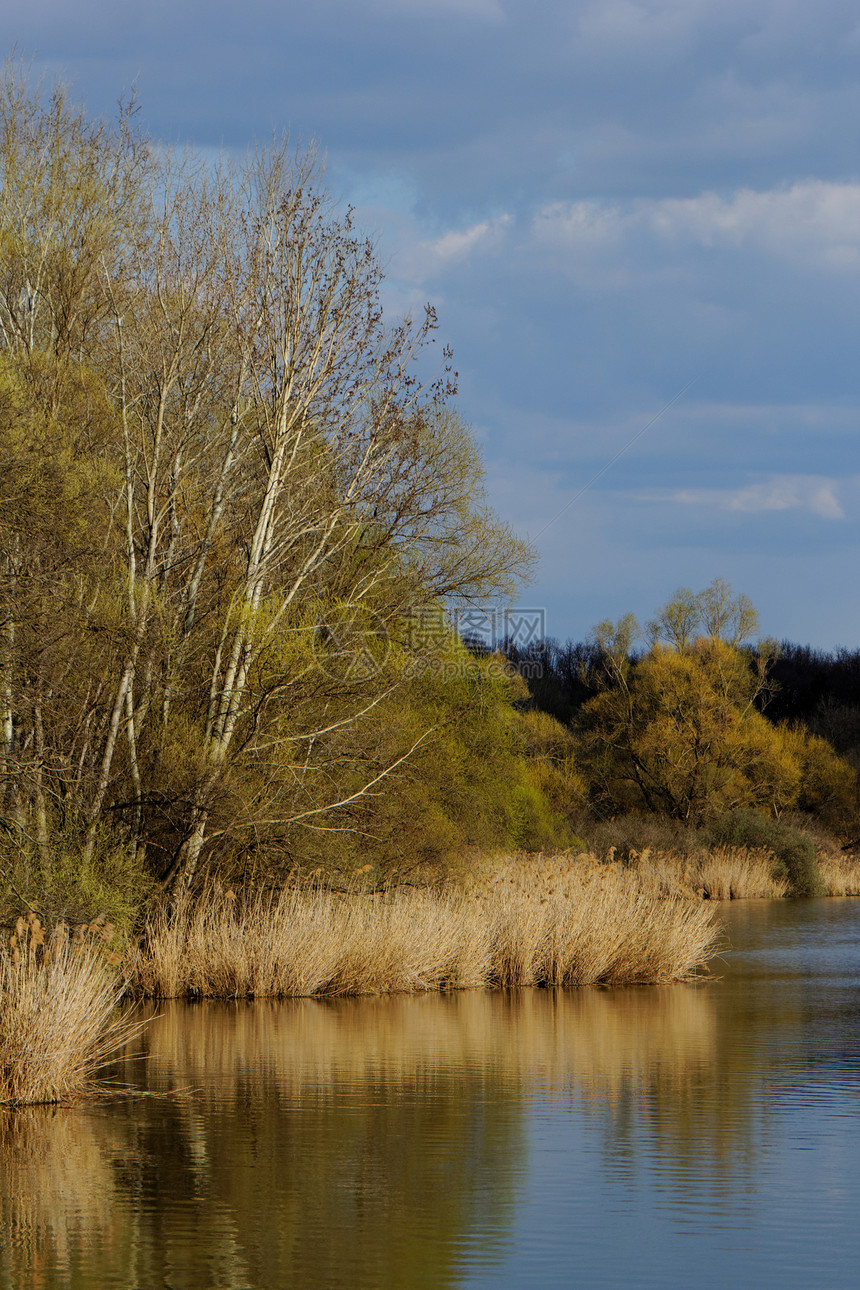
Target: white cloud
<point x="425" y="259"/>
<point x="585" y="223"/>
<point x="817" y="494"/>
<point x="812" y="223"/>
<point x="457" y="245"/>
<point x="809" y="217"/>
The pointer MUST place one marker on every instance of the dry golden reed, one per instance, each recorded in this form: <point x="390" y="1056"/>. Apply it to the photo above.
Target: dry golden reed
<point x="841" y="874"/>
<point x="59" y="1024"/>
<point x="739" y="873"/>
<point x="718" y="873"/>
<point x="520" y="922"/>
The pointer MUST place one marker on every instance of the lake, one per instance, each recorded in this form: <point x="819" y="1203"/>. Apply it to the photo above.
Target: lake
<point x="702" y="1134"/>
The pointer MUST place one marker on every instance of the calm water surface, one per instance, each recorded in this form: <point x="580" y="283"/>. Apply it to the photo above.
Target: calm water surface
<point x="699" y="1135"/>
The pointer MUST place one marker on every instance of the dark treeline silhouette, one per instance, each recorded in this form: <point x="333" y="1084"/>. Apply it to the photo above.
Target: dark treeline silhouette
<point x="821" y="690"/>
<point x="805" y="679"/>
<point x="561" y="677"/>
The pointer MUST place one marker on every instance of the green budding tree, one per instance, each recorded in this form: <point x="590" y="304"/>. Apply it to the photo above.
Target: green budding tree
<point x="212" y="447"/>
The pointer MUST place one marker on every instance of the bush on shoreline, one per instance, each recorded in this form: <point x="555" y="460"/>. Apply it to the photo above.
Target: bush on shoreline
<point x="795" y="856"/>
<point x="741" y="854"/>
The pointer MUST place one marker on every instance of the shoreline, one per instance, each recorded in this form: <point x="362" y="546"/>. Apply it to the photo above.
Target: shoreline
<point x="556" y="921"/>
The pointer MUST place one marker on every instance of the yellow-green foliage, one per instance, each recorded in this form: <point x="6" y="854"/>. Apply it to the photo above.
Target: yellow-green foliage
<point x="64" y="885"/>
<point x="682" y="736"/>
<point x="56" y="474"/>
<point x="553" y="790"/>
<point x="827" y="785"/>
<point x="482" y="775"/>
<point x="203" y="551"/>
<point x="551" y="750"/>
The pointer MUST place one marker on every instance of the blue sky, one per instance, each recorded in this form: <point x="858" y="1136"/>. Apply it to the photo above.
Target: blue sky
<point x="606" y="200"/>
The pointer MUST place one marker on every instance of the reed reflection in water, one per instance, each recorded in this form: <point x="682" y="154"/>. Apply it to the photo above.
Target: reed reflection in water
<point x="372" y="1142"/>
<point x="689" y="1134"/>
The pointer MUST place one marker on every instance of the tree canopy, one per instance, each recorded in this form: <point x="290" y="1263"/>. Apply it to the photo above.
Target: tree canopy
<point x="218" y="463"/>
<point x="679" y="731"/>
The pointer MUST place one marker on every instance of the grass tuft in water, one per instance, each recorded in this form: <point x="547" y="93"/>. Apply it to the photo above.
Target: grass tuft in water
<point x="59" y="1019"/>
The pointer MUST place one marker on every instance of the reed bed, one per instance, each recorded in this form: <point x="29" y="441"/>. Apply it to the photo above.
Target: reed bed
<point x="841" y="874"/>
<point x="561" y="922"/>
<point x="59" y="1019"/>
<point x="739" y="873"/>
<point x="718" y="873"/>
<point x="538" y="922"/>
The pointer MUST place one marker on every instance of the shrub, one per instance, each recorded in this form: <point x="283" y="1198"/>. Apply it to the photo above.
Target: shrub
<point x="66" y="886"/>
<point x="795" y="855"/>
<point x="633" y="832"/>
<point x="828" y="783"/>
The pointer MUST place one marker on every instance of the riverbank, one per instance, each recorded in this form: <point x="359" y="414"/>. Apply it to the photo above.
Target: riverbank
<point x="545" y="922"/>
<point x="520" y="921"/>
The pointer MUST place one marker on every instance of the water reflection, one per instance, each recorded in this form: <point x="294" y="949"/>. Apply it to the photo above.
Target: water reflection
<point x="356" y="1142"/>
<point x="410" y="1142"/>
<point x="612" y="1036"/>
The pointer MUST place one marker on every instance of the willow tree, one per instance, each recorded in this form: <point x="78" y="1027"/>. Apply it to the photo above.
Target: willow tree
<point x="678" y="730"/>
<point x="250" y="455"/>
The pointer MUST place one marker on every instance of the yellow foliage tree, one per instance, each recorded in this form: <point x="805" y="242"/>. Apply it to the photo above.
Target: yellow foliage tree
<point x="678" y="731"/>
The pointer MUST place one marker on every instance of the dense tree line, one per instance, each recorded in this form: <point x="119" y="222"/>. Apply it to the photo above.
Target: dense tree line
<point x="226" y="499"/>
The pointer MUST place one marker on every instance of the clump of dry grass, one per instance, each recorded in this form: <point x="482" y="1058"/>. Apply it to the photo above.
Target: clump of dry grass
<point x="517" y="922"/>
<point x="739" y="873"/>
<point x="59" y="1024"/>
<point x="562" y="922"/>
<point x="715" y="873"/>
<point x="311" y="940"/>
<point x="840" y="873"/>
